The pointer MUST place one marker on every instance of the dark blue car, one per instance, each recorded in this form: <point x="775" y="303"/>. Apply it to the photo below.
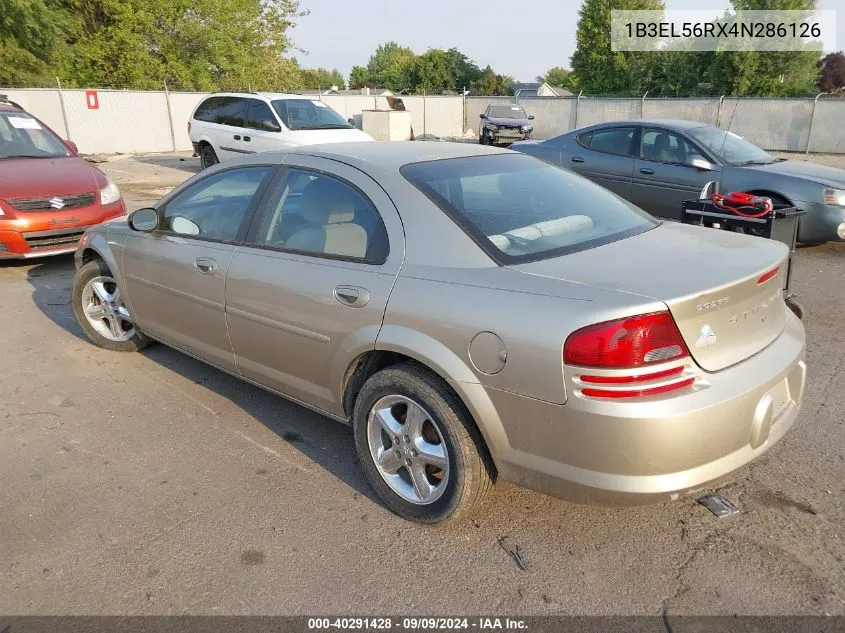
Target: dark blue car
<point x="504" y="124"/>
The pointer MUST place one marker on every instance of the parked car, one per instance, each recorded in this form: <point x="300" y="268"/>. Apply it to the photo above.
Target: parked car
<point x="48" y="195"/>
<point x="557" y="336"/>
<point x="227" y="125"/>
<point x="658" y="164"/>
<point x="504" y="124"/>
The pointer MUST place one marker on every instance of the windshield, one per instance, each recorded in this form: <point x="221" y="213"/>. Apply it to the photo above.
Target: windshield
<point x="731" y="148"/>
<point x="22" y="136"/>
<point x="308" y="114"/>
<point x="507" y="112"/>
<point x="521" y="209"/>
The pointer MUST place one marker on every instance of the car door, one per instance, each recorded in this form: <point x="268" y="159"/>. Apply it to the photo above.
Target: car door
<point x="227" y="131"/>
<point x="307" y="291"/>
<point x="176" y="276"/>
<point x="605" y="156"/>
<point x="664" y="174"/>
<point x="262" y="131"/>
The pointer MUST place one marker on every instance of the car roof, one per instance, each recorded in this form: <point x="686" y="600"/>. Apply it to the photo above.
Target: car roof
<point x="394" y="154"/>
<point x="266" y="95"/>
<point x="671" y="124"/>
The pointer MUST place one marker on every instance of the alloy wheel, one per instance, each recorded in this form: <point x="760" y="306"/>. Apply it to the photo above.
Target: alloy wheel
<point x="408" y="449"/>
<point x="104" y="310"/>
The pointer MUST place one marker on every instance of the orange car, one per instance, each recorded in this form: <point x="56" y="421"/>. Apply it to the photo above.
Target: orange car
<point x="48" y="195"/>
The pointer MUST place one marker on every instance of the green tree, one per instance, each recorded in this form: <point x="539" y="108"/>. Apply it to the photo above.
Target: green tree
<point x="560" y="77"/>
<point x="464" y="70"/>
<point x="490" y="83"/>
<point x="832" y="77"/>
<point x="391" y="66"/>
<point x="432" y="72"/>
<point x="758" y="73"/>
<point x="322" y="78"/>
<point x="599" y="69"/>
<point x="30" y="40"/>
<point x="359" y="77"/>
<point x="190" y="44"/>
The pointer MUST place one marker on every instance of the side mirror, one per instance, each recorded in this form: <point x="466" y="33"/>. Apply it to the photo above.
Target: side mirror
<point x="351" y="121"/>
<point x="530" y="117"/>
<point x="270" y="125"/>
<point x="482" y="116"/>
<point x="143" y="220"/>
<point x="702" y="164"/>
<point x="72" y="147"/>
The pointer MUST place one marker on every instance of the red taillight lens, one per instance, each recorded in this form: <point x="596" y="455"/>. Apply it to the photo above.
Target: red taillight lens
<point x="766" y="276"/>
<point x="632" y="342"/>
<point x="637" y="393"/>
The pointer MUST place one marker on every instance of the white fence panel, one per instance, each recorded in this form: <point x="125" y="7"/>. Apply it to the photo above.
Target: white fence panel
<point x="182" y="105"/>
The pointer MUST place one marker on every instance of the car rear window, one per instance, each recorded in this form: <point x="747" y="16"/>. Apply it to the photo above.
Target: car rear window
<point x="520" y="209"/>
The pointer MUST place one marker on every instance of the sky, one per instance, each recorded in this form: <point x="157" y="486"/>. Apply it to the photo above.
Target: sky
<point x="518" y="38"/>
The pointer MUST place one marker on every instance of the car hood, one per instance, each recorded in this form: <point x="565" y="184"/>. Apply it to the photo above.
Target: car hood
<point x="40" y="177"/>
<point x="709" y="280"/>
<point x="315" y="137"/>
<point x="821" y="174"/>
<point x="508" y="122"/>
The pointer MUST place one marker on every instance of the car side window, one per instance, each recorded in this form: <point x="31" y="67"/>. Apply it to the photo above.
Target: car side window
<point x="321" y="215"/>
<point x="615" y="140"/>
<point x="585" y="139"/>
<point x="215" y="207"/>
<point x="260" y="117"/>
<point x="665" y="147"/>
<point x="231" y="111"/>
<point x="207" y="111"/>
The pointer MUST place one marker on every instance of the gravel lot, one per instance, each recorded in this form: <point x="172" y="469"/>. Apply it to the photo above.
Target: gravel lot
<point x="152" y="484"/>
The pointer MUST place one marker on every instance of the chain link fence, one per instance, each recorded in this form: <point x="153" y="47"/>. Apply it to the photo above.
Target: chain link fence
<point x="156" y="121"/>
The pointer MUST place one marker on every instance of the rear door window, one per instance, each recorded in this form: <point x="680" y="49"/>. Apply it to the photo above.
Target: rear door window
<point x="616" y="140"/>
<point x="231" y="111"/>
<point x="207" y="111"/>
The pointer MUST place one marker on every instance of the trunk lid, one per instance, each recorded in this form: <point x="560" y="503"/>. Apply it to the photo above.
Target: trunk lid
<point x="707" y="278"/>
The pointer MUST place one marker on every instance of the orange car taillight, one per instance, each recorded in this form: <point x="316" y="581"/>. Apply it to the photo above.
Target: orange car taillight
<point x="630" y="343"/>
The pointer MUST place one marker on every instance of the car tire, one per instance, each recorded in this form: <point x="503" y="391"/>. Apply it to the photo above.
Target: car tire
<point x="99" y="310"/>
<point x="208" y="157"/>
<point x="482" y="140"/>
<point x="443" y="429"/>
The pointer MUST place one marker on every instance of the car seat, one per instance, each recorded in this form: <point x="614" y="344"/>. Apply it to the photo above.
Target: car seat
<point x="328" y="208"/>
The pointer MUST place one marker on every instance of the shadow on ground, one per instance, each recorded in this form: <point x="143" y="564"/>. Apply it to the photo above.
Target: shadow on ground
<point x="183" y="162"/>
<point x="324" y="441"/>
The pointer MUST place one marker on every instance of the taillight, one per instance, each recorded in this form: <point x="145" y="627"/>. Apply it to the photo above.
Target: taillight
<point x="626" y="343"/>
<point x="189" y="127"/>
<point x="766" y="276"/>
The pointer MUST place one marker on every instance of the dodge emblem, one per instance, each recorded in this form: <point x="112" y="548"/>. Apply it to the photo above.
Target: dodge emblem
<point x="707" y="336"/>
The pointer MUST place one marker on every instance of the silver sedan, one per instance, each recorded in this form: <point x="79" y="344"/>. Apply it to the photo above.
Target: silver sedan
<point x="473" y="313"/>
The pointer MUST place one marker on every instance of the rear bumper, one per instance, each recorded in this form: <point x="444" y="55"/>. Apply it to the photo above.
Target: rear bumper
<point x="655" y="449"/>
<point x="32" y="235"/>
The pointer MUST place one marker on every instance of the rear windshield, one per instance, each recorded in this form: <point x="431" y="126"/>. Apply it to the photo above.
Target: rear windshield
<point x="520" y="209"/>
<point x="308" y="114"/>
<point x="23" y="136"/>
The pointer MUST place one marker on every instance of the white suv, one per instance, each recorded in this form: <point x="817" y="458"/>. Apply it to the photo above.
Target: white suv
<point x="225" y="125"/>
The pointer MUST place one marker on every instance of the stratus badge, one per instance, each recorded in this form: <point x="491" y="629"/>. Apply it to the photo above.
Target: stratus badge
<point x="707" y="336"/>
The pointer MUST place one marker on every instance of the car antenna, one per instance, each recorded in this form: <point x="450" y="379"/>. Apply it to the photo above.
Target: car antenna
<point x="731" y="120"/>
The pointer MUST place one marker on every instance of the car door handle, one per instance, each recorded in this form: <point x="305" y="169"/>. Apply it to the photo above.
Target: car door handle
<point x="247" y="139"/>
<point x="577" y="159"/>
<point x="646" y="170"/>
<point x="237" y="137"/>
<point x="352" y="296"/>
<point x="205" y="265"/>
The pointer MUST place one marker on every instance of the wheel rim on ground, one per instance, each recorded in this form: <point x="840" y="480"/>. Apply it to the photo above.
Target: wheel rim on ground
<point x="104" y="310"/>
<point x="408" y="449"/>
<point x="208" y="158"/>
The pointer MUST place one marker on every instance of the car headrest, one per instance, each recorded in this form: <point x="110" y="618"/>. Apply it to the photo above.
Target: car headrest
<point x="661" y="141"/>
<point x="326" y="201"/>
